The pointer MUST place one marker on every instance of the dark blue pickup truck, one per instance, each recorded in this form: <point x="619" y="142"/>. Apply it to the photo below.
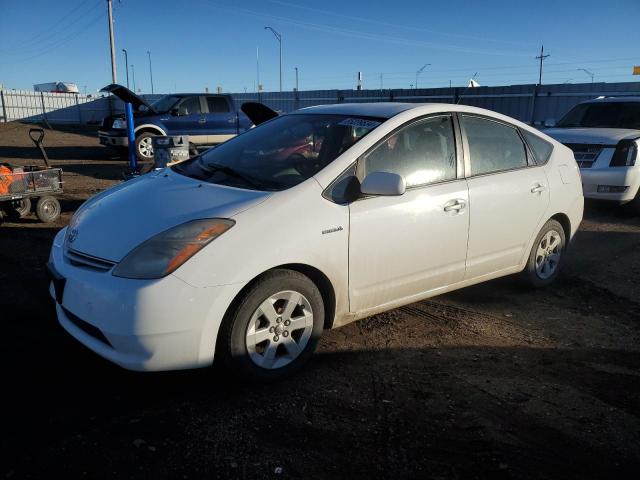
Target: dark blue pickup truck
<point x="208" y="119"/>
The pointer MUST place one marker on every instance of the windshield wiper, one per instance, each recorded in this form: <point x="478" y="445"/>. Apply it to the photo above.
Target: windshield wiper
<point x="216" y="167"/>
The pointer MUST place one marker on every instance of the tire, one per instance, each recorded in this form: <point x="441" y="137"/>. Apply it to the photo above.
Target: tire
<point x="48" y="209"/>
<point x="193" y="151"/>
<point x="262" y="337"/>
<point x="634" y="205"/>
<point x="547" y="255"/>
<point x="144" y="148"/>
<point x="19" y="209"/>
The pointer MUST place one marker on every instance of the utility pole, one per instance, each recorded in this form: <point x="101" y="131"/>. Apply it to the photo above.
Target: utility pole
<point x="112" y="43"/>
<point x="279" y="38"/>
<point x="150" y="71"/>
<point x="133" y="75"/>
<point x="296" y="78"/>
<point x="541" y="57"/>
<point x="420" y="71"/>
<point x="126" y="64"/>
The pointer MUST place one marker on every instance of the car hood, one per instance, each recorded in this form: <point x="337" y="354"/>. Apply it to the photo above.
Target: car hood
<point x="127" y="96"/>
<point x="114" y="222"/>
<point x="604" y="136"/>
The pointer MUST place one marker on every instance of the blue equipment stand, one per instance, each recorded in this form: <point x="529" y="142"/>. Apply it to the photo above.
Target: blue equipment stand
<point x="133" y="159"/>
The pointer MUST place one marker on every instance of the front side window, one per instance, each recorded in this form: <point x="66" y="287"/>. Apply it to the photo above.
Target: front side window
<point x="493" y="146"/>
<point x="189" y="106"/>
<point x="603" y="115"/>
<point x="164" y="104"/>
<point x="280" y="153"/>
<point x="422" y="153"/>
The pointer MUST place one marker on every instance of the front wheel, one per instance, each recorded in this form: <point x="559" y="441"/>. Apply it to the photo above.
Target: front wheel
<point x="144" y="146"/>
<point x="547" y="255"/>
<point x="275" y="327"/>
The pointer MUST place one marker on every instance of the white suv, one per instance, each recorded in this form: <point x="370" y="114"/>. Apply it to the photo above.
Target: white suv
<point x="604" y="135"/>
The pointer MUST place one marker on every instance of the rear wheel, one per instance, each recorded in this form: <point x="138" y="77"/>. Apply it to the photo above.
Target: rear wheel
<point x="547" y="255"/>
<point x="275" y="327"/>
<point x="19" y="208"/>
<point x="48" y="209"/>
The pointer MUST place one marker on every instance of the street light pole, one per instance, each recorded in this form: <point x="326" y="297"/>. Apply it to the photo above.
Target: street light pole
<point x="114" y="75"/>
<point x="150" y="71"/>
<point x="420" y="71"/>
<point x="279" y="38"/>
<point x="133" y="75"/>
<point x="296" y="78"/>
<point x="126" y="64"/>
<point x="591" y="74"/>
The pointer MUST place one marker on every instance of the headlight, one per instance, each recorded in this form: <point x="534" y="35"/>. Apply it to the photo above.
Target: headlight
<point x="119" y="123"/>
<point x="162" y="254"/>
<point x="625" y="154"/>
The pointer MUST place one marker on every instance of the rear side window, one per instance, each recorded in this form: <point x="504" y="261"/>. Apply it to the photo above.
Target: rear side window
<point x="217" y="105"/>
<point x="541" y="148"/>
<point x="493" y="146"/>
<point x="190" y="106"/>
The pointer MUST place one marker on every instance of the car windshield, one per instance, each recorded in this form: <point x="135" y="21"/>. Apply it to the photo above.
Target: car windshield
<point x="603" y="115"/>
<point x="281" y="153"/>
<point x="163" y="104"/>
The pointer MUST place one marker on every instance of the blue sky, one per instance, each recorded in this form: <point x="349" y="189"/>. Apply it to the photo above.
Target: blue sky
<point x="197" y="43"/>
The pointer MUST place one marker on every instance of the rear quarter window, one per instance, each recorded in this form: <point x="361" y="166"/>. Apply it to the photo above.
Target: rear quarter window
<point x="540" y="147"/>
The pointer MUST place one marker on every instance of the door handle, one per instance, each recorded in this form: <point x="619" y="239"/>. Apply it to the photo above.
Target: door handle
<point x="538" y="188"/>
<point x="202" y="120"/>
<point x="232" y="120"/>
<point x="455" y="206"/>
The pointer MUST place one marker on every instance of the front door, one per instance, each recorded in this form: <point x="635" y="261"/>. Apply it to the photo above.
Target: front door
<point x="508" y="195"/>
<point x="404" y="246"/>
<point x="190" y="120"/>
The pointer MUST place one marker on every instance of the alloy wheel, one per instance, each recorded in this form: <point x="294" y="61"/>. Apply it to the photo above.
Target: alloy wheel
<point x="548" y="254"/>
<point x="279" y="329"/>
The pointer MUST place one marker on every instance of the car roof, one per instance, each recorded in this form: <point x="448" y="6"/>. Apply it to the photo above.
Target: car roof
<point x="377" y="109"/>
<point x="612" y="99"/>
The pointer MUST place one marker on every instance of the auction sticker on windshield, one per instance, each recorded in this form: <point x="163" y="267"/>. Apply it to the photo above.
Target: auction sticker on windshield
<point x="359" y="123"/>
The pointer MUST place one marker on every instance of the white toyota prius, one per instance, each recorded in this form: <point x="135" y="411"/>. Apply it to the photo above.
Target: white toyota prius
<point x="313" y="219"/>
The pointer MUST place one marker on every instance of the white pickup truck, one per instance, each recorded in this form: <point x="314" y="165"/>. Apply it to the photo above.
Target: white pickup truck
<point x="604" y="135"/>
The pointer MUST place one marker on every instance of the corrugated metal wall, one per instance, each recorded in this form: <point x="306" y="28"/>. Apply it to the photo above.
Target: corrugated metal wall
<point x="528" y="103"/>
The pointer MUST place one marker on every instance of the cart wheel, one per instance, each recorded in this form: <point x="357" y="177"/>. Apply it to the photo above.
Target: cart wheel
<point x="48" y="209"/>
<point x="1" y="216"/>
<point x="19" y="208"/>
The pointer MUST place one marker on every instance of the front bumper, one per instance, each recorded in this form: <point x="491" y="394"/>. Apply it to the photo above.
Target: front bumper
<point x="113" y="138"/>
<point x="143" y="325"/>
<point x="628" y="177"/>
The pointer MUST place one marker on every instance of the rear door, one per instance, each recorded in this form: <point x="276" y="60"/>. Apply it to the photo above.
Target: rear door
<point x="190" y="119"/>
<point x="222" y="121"/>
<point x="508" y="195"/>
<point x="403" y="246"/>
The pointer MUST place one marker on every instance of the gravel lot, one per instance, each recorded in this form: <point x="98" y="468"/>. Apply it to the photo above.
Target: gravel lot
<point x="493" y="381"/>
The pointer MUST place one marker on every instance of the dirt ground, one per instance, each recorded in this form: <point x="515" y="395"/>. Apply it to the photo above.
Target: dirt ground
<point x="493" y="381"/>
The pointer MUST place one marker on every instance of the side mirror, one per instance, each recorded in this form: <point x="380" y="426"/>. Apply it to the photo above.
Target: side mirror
<point x="383" y="183"/>
<point x="549" y="123"/>
<point x="174" y="112"/>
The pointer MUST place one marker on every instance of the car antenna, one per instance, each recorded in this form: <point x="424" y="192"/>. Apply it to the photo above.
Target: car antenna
<point x="468" y="87"/>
